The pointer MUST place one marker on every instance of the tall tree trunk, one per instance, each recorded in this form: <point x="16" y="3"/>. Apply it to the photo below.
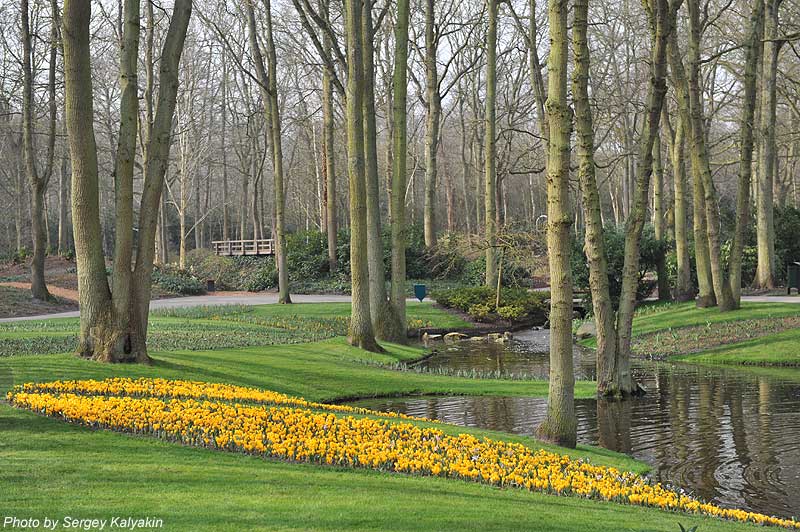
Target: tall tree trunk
<point x="277" y="162"/>
<point x="490" y="150"/>
<point x="101" y="336"/>
<point x="465" y="170"/>
<point x="701" y="163"/>
<point x="560" y="425"/>
<point x="226" y="235"/>
<point x="328" y="155"/>
<point x="594" y="243"/>
<point x="683" y="278"/>
<point x="269" y="90"/>
<point x="658" y="219"/>
<point x="433" y="112"/>
<point x="94" y="293"/>
<point x="661" y="15"/>
<point x="361" y="333"/>
<point x="384" y="324"/>
<point x="155" y="169"/>
<point x="747" y="126"/>
<point x="765" y="226"/>
<point x="399" y="159"/>
<point x="706" y="296"/>
<point x="36" y="181"/>
<point x="123" y="176"/>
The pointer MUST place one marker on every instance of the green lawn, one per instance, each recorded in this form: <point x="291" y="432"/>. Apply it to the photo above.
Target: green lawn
<point x="50" y="468"/>
<point x="675" y="315"/>
<point x="321" y="371"/>
<point x="53" y="469"/>
<point x="781" y="349"/>
<point x="416" y="311"/>
<point x="217" y="327"/>
<point x="755" y="334"/>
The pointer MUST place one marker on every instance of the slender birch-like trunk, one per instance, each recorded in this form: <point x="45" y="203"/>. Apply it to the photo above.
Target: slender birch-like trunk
<point x="433" y="113"/>
<point x="490" y="149"/>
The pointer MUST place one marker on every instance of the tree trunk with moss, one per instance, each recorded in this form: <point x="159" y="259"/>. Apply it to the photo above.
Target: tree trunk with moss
<point x="361" y="333"/>
<point x="399" y="158"/>
<point x="706" y="297"/>
<point x="594" y="244"/>
<point x="701" y="163"/>
<point x="490" y="150"/>
<point x="661" y="17"/>
<point x="114" y="325"/>
<point x="384" y="322"/>
<point x="433" y="113"/>
<point x="560" y="425"/>
<point x="746" y="136"/>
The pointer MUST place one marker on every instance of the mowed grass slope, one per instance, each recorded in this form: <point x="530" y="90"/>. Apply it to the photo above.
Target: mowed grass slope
<point x="675" y="315"/>
<point x="757" y="334"/>
<point x="54" y="469"/>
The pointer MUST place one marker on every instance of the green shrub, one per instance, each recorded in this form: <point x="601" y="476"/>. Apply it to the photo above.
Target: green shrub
<point x="516" y="304"/>
<point x="479" y="312"/>
<point x="262" y="277"/>
<point x="206" y="265"/>
<point x="177" y="281"/>
<point x="787" y="243"/>
<point x="511" y="312"/>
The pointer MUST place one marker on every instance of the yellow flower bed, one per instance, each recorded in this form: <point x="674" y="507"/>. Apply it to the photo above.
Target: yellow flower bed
<point x="201" y="414"/>
<point x="193" y="390"/>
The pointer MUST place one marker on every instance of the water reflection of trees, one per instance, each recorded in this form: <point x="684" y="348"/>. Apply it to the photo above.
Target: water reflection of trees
<point x="727" y="436"/>
<point x="614" y="425"/>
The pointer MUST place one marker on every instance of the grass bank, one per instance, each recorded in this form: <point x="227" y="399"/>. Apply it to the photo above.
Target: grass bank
<point x="765" y="334"/>
<point x="54" y="469"/>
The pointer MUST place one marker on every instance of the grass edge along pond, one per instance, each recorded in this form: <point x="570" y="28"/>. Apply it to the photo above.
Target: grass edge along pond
<point x="273" y="425"/>
<point x="68" y="470"/>
<point x="757" y="334"/>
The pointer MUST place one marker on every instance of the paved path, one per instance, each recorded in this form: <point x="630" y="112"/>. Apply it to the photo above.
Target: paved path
<point x="219" y="298"/>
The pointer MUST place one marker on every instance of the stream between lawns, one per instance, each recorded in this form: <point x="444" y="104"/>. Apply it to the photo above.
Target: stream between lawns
<point x="729" y="436"/>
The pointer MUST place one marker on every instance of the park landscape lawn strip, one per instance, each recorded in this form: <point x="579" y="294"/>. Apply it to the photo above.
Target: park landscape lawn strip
<point x="755" y="334"/>
<point x="780" y="349"/>
<point x="57" y="469"/>
<point x="320" y="371"/>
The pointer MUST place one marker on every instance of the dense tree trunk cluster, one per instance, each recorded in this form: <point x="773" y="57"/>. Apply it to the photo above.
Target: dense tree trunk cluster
<point x="167" y="131"/>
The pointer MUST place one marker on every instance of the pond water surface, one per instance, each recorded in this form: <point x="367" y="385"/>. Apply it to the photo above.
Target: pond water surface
<point x="731" y="436"/>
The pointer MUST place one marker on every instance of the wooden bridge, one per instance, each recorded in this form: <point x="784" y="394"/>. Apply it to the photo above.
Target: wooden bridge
<point x="264" y="246"/>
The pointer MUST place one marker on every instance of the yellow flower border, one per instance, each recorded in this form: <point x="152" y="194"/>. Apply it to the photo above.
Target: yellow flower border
<point x="210" y="415"/>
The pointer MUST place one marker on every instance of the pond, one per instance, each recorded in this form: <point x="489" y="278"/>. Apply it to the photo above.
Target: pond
<point x="728" y="435"/>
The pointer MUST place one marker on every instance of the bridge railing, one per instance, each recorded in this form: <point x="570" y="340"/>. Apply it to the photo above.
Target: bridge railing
<point x="262" y="246"/>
